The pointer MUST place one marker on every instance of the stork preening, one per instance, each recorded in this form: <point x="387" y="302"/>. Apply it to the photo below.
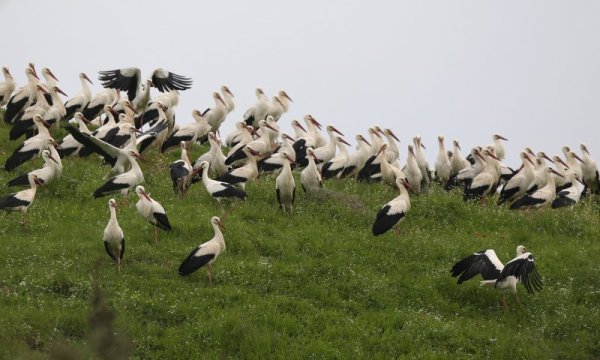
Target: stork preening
<point x="335" y="167"/>
<point x="494" y="273"/>
<point x="258" y="111"/>
<point x="206" y="253"/>
<point x="113" y="238"/>
<point x="21" y="200"/>
<point x="217" y="114"/>
<point x="151" y="211"/>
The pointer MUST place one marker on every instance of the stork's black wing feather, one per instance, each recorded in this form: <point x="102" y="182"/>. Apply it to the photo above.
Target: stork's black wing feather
<point x="84" y="139"/>
<point x="165" y="80"/>
<point x="523" y="268"/>
<point x="477" y="263"/>
<point x="117" y="79"/>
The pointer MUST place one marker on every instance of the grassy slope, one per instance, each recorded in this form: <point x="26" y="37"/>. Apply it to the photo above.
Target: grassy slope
<point x="312" y="285"/>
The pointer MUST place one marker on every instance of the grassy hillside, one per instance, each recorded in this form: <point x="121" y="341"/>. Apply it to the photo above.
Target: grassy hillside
<point x="315" y="284"/>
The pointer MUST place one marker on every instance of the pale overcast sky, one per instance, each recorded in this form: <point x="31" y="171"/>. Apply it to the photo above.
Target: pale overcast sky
<point x="529" y="70"/>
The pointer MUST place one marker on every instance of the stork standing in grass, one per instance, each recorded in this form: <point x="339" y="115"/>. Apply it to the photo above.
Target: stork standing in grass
<point x="206" y="253"/>
<point x="310" y="177"/>
<point x="443" y="168"/>
<point x="494" y="273"/>
<point x="589" y="171"/>
<point x="113" y="238"/>
<point x="181" y="171"/>
<point x="45" y="175"/>
<point x="541" y="197"/>
<point x="285" y="186"/>
<point x="413" y="172"/>
<point x="21" y="200"/>
<point x="152" y="211"/>
<point x="6" y="87"/>
<point x="219" y="189"/>
<point x="394" y="211"/>
<point x="123" y="182"/>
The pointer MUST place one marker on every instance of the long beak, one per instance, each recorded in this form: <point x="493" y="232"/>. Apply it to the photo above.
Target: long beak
<point x="547" y="158"/>
<point x="493" y="156"/>
<point x="38" y="182"/>
<point x="270" y="127"/>
<point x="300" y="126"/>
<point x="316" y="123"/>
<point x="58" y="90"/>
<point x="221" y="226"/>
<point x="578" y="158"/>
<point x="253" y="152"/>
<point x="394" y="135"/>
<point x="528" y="159"/>
<point x="139" y="156"/>
<point x="584" y="148"/>
<point x="336" y="131"/>
<point x="343" y="141"/>
<point x="407" y="185"/>
<point x="563" y="163"/>
<point x="289" y="137"/>
<point x="52" y="158"/>
<point x="365" y="141"/>
<point x="287" y="97"/>
<point x="556" y="173"/>
<point x="88" y="79"/>
<point x="502" y="137"/>
<point x="146" y="195"/>
<point x="52" y="74"/>
<point x="131" y="107"/>
<point x="423" y="146"/>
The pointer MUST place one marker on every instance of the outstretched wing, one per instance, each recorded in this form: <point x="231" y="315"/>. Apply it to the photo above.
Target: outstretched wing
<point x="165" y="80"/>
<point x="485" y="263"/>
<point x="126" y="79"/>
<point x="104" y="149"/>
<point x="523" y="268"/>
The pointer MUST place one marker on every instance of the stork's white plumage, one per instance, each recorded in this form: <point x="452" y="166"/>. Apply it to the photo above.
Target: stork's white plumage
<point x="45" y="175"/>
<point x="541" y="197"/>
<point x="125" y="181"/>
<point x="357" y="159"/>
<point x="327" y="152"/>
<point x="574" y="161"/>
<point x="21" y="200"/>
<point x="31" y="147"/>
<point x="113" y="238"/>
<point x="151" y="211"/>
<point x="539" y="172"/>
<point x="486" y="181"/>
<point x="181" y="172"/>
<point x="413" y="172"/>
<point x="219" y="189"/>
<point x="443" y="168"/>
<point x="392" y="151"/>
<point x="285" y="186"/>
<point x="310" y="177"/>
<point x="206" y="253"/>
<point x="189" y="133"/>
<point x="306" y="138"/>
<point x="217" y="114"/>
<point x="335" y="167"/>
<point x="228" y="96"/>
<point x="279" y="106"/>
<point x="7" y="87"/>
<point x="519" y="183"/>
<point x="494" y="273"/>
<point x="240" y="134"/>
<point x="259" y="110"/>
<point x="78" y="102"/>
<point x="389" y="172"/>
<point x="498" y="146"/>
<point x="589" y="171"/>
<point x="98" y="102"/>
<point x="422" y="162"/>
<point x="57" y="111"/>
<point x="458" y="162"/>
<point x="22" y="97"/>
<point x="68" y="145"/>
<point x="570" y="195"/>
<point x="262" y="145"/>
<point x="274" y="163"/>
<point x="245" y="174"/>
<point x="23" y="123"/>
<point x="158" y="133"/>
<point x="214" y="156"/>
<point x="394" y="211"/>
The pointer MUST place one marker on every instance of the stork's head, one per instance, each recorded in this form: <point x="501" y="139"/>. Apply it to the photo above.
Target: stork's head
<point x="499" y="137"/>
<point x="455" y="142"/>
<point x="225" y="90"/>
<point x="283" y="95"/>
<point x="331" y="128"/>
<point x="29" y="72"/>
<point x="112" y="203"/>
<point x="83" y="76"/>
<point x="47" y="73"/>
<point x="56" y="89"/>
<point x="584" y="148"/>
<point x="521" y="250"/>
<point x="217" y="97"/>
<point x="6" y="72"/>
<point x="389" y="132"/>
<point x="215" y="221"/>
<point x="141" y="193"/>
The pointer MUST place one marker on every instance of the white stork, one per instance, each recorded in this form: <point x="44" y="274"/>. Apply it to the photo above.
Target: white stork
<point x="327" y="152"/>
<point x="498" y="146"/>
<point x="125" y="181"/>
<point x="357" y="159"/>
<point x="562" y="168"/>
<point x="259" y="110"/>
<point x="570" y="195"/>
<point x="279" y="106"/>
<point x="335" y="167"/>
<point x="228" y="96"/>
<point x="21" y="200"/>
<point x="130" y="80"/>
<point x="157" y="134"/>
<point x="494" y="273"/>
<point x="57" y="111"/>
<point x="458" y="162"/>
<point x="217" y="114"/>
<point x="31" y="147"/>
<point x="181" y="172"/>
<point x="218" y="189"/>
<point x="98" y="102"/>
<point x="206" y="253"/>
<point x="244" y="174"/>
<point x="45" y="175"/>
<point x="189" y="133"/>
<point x="214" y="156"/>
<point x="151" y="211"/>
<point x="274" y="162"/>
<point x="519" y="183"/>
<point x="394" y="211"/>
<point x="241" y="134"/>
<point x="310" y="177"/>
<point x="486" y="181"/>
<point x="541" y="197"/>
<point x="261" y="145"/>
<point x="423" y="164"/>
<point x="7" y="87"/>
<point x="389" y="172"/>
<point x="443" y="168"/>
<point x="25" y="121"/>
<point x="285" y="186"/>
<point x="413" y="173"/>
<point x="306" y="138"/>
<point x="78" y="102"/>
<point x="113" y="238"/>
<point x="22" y="97"/>
<point x="69" y="146"/>
<point x="589" y="171"/>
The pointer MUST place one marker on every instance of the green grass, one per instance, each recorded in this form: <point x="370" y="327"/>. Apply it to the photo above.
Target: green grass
<point x="315" y="284"/>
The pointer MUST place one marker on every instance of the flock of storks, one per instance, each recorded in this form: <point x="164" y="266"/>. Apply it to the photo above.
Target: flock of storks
<point x="122" y="128"/>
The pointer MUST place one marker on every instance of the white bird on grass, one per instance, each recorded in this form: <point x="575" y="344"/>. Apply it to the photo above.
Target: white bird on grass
<point x="206" y="253"/>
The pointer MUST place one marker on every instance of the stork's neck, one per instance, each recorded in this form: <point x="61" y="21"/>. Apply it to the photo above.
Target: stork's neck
<point x="287" y="169"/>
<point x="143" y="96"/>
<point x="132" y="144"/>
<point x="56" y="100"/>
<point x="342" y="148"/>
<point x="82" y="126"/>
<point x="285" y="103"/>
<point x="228" y="99"/>
<point x="219" y="236"/>
<point x="392" y="144"/>
<point x="111" y="119"/>
<point x="184" y="156"/>
<point x="85" y="88"/>
<point x="113" y="216"/>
